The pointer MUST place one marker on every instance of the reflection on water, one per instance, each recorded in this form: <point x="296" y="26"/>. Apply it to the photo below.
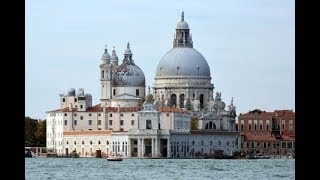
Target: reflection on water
<point x="99" y="168"/>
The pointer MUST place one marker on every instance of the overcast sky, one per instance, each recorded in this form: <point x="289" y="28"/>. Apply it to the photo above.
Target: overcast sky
<point x="248" y="44"/>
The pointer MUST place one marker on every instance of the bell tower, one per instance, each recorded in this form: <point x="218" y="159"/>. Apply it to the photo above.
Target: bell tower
<point x="106" y="76"/>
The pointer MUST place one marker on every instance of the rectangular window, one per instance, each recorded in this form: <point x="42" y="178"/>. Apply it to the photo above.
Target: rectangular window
<point x="135" y="142"/>
<point x="121" y="115"/>
<point x="114" y="92"/>
<point x="121" y="122"/>
<point x="90" y="122"/>
<point x="75" y="114"/>
<point x="81" y="117"/>
<point x="137" y="92"/>
<point x="132" y="114"/>
<point x="132" y="122"/>
<point x="99" y="122"/>
<point x="110" y="115"/>
<point x="75" y="99"/>
<point x="99" y="114"/>
<point x="63" y="100"/>
<point x="110" y="122"/>
<point x="81" y="106"/>
<point x="89" y="114"/>
<point x="75" y="122"/>
<point x="167" y="114"/>
<point x="65" y="122"/>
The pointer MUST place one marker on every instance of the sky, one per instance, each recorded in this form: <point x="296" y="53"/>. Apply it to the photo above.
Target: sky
<point x="248" y="44"/>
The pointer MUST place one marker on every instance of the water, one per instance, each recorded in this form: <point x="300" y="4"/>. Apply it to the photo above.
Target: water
<point x="99" y="168"/>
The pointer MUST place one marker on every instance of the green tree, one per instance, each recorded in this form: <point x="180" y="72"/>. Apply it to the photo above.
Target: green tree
<point x="40" y="134"/>
<point x="29" y="131"/>
<point x="35" y="132"/>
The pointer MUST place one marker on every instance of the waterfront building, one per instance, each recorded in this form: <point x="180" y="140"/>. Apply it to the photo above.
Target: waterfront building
<point x="132" y="123"/>
<point x="267" y="133"/>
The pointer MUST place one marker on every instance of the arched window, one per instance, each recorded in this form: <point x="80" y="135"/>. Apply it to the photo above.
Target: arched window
<point x="201" y="101"/>
<point x="173" y="100"/>
<point x="182" y="100"/>
<point x="82" y="142"/>
<point x="98" y="142"/>
<point x="260" y="126"/>
<point x="75" y="143"/>
<point x="241" y="126"/>
<point x="255" y="126"/>
<point x="90" y="142"/>
<point x="67" y="142"/>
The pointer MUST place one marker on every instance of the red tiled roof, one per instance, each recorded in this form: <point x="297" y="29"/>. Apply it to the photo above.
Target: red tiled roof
<point x="282" y="113"/>
<point x="287" y="138"/>
<point x="98" y="108"/>
<point x="93" y="133"/>
<point x="211" y="132"/>
<point x="171" y="109"/>
<point x="258" y="137"/>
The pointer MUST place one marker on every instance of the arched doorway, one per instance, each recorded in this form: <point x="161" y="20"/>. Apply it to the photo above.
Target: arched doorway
<point x="210" y="125"/>
<point x="182" y="100"/>
<point x="173" y="100"/>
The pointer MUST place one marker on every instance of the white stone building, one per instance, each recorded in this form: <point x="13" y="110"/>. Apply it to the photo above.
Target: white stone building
<point x="126" y="124"/>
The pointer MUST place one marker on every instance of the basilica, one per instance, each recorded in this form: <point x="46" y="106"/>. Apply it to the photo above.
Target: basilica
<point x="181" y="116"/>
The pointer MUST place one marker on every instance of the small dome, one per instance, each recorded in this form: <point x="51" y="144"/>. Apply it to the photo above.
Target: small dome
<point x="71" y="92"/>
<point x="129" y="75"/>
<point x="128" y="51"/>
<point x="114" y="55"/>
<point x="105" y="55"/>
<point x="182" y="25"/>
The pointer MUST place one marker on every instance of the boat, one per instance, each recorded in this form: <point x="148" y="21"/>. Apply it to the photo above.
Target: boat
<point x="114" y="159"/>
<point x="27" y="153"/>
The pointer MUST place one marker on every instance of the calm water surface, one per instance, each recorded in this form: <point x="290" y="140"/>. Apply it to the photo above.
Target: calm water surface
<point x="97" y="168"/>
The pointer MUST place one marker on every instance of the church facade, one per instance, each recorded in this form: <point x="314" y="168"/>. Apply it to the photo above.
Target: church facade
<point x="132" y="123"/>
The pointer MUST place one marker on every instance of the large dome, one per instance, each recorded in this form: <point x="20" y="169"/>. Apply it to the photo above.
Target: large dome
<point x="182" y="62"/>
<point x="129" y="75"/>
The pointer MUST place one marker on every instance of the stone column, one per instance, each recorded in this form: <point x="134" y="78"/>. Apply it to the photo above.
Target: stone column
<point x="156" y="147"/>
<point x="139" y="148"/>
<point x="152" y="147"/>
<point x="178" y="100"/>
<point x="168" y="148"/>
<point x="129" y="147"/>
<point x="142" y="146"/>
